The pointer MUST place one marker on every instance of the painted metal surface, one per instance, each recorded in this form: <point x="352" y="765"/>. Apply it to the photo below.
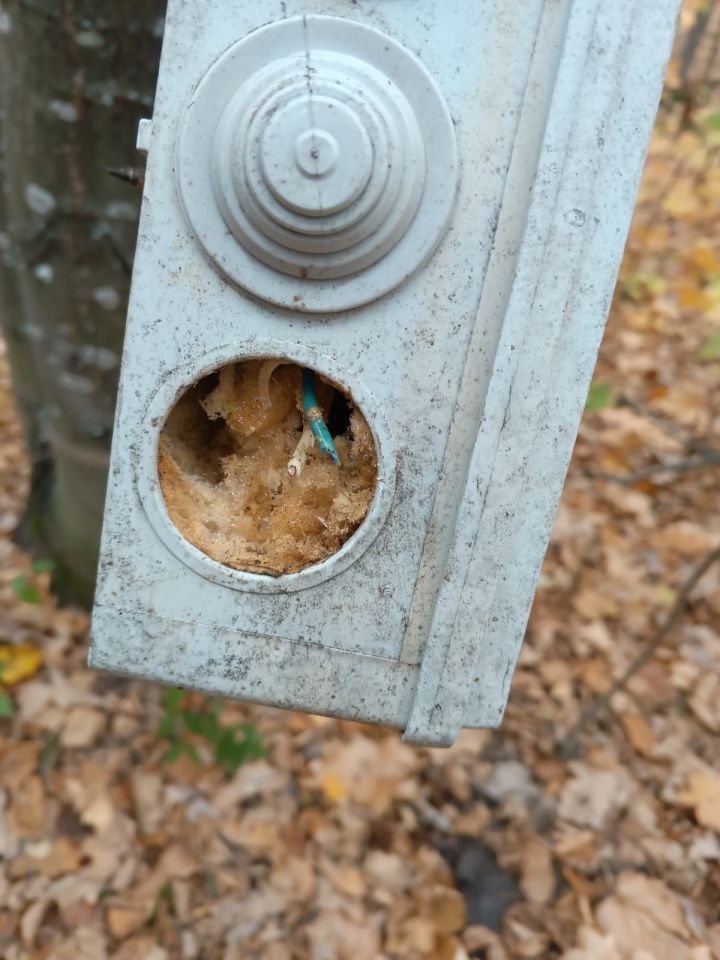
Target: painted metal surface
<point x="317" y="148"/>
<point x="471" y="364"/>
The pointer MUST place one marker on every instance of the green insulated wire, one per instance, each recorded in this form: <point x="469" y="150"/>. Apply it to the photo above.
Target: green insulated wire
<point x="313" y="415"/>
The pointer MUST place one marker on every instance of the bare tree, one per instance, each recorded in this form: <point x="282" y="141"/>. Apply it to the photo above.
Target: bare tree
<point x="75" y="78"/>
<point x="700" y="55"/>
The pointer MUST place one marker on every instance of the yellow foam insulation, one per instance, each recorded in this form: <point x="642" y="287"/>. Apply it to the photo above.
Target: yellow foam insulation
<point x="223" y="468"/>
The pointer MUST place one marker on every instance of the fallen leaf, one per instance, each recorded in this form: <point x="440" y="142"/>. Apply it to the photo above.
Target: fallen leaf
<point x="147" y="790"/>
<point x="253" y="780"/>
<point x="31" y="920"/>
<point x="347" y="879"/>
<point x="703" y="795"/>
<point x="511" y="782"/>
<point x="687" y="539"/>
<point x="639" y="732"/>
<point x="52" y="860"/>
<point x="86" y="943"/>
<point x="592" y="797"/>
<point x="713" y="938"/>
<point x="593" y="604"/>
<point x="295" y="878"/>
<point x="652" y="683"/>
<point x="593" y="945"/>
<point x="277" y="951"/>
<point x="333" y="935"/>
<point x="704" y="701"/>
<point x="448" y="948"/>
<point x="578" y="847"/>
<point x="701" y="953"/>
<point x="17" y="762"/>
<point x="656" y="898"/>
<point x="371" y="773"/>
<point x="333" y="788"/>
<point x="388" y="870"/>
<point x="124" y="919"/>
<point x="473" y="822"/>
<point x="443" y="907"/>
<point x="705" y="847"/>
<point x="83" y="726"/>
<point x="597" y="675"/>
<point x="476" y="938"/>
<point x="644" y="914"/>
<point x="30" y="813"/>
<point x="99" y="814"/>
<point x="139" y="948"/>
<point x="537" y="880"/>
<point x="523" y="933"/>
<point x="18" y="662"/>
<point x="414" y="934"/>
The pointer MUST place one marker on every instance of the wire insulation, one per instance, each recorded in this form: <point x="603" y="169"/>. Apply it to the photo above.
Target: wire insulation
<point x="313" y="416"/>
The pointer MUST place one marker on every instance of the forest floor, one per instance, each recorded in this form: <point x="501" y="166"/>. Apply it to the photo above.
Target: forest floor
<point x="345" y="844"/>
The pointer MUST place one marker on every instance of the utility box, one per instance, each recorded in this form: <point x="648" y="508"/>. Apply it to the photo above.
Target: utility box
<point x="377" y="248"/>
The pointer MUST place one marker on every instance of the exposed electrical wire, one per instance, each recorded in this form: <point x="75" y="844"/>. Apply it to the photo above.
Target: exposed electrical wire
<point x="315" y="428"/>
<point x="297" y="462"/>
<point x="314" y="418"/>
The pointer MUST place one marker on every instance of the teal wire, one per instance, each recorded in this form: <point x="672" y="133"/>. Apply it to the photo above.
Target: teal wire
<point x="313" y="415"/>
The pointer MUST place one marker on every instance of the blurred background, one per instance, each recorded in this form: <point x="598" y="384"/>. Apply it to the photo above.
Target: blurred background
<point x="137" y="822"/>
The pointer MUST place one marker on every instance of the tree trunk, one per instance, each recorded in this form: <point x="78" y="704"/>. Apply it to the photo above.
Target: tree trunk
<point x="700" y="54"/>
<point x="75" y="78"/>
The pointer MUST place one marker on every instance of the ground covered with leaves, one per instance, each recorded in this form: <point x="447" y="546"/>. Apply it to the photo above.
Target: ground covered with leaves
<point x="143" y="824"/>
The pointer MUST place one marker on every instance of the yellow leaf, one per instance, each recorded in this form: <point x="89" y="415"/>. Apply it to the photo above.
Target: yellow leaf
<point x="18" y="662"/>
<point x="692" y="298"/>
<point x="333" y="788"/>
<point x="705" y="259"/>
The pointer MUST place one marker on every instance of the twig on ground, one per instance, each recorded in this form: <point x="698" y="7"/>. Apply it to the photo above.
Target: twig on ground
<point x="708" y="458"/>
<point x="670" y="428"/>
<point x="602" y="702"/>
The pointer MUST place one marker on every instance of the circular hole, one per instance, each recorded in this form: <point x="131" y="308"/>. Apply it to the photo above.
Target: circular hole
<point x="246" y="479"/>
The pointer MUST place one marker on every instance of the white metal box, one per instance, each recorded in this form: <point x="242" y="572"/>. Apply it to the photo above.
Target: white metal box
<point x="426" y="202"/>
